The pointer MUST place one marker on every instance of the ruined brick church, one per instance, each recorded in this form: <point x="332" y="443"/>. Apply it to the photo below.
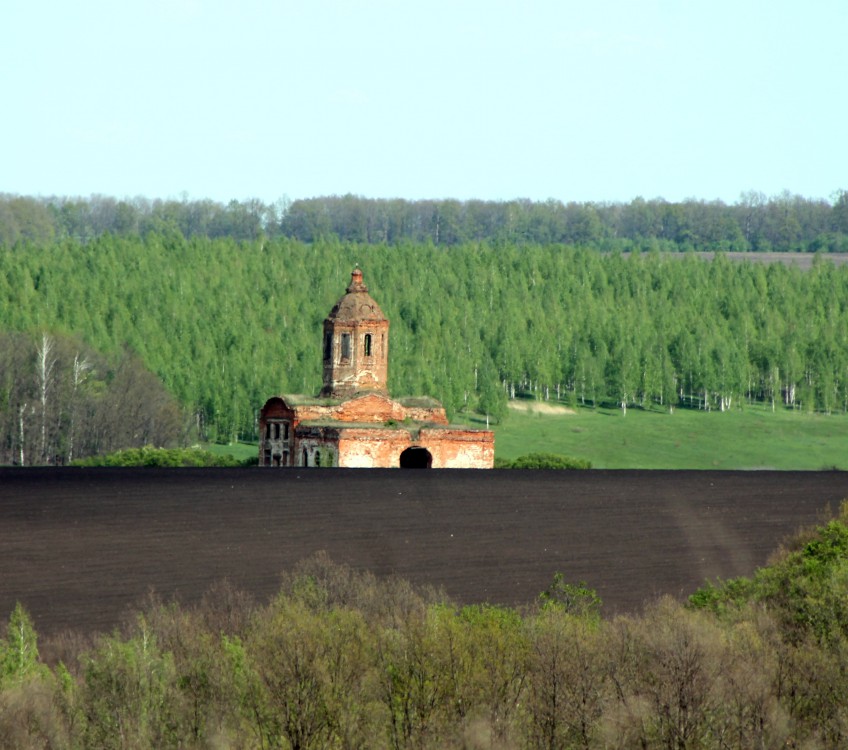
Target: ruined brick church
<point x="353" y="423"/>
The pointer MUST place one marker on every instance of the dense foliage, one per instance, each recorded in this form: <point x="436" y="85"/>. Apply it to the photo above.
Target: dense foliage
<point x="756" y="222"/>
<point x="543" y="461"/>
<point x="339" y="659"/>
<point x="168" y="457"/>
<point x="224" y="325"/>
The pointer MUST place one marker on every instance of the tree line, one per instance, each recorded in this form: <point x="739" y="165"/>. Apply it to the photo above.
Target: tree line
<point x="341" y="659"/>
<point x="756" y="222"/>
<point x="224" y="325"/>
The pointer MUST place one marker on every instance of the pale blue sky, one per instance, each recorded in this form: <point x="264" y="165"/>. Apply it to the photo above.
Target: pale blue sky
<point x="583" y="101"/>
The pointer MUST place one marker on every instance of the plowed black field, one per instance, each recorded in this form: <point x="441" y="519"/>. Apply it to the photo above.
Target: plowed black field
<point x="79" y="546"/>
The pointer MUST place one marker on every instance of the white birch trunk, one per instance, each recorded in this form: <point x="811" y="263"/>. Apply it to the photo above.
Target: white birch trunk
<point x="44" y="372"/>
<point x="21" y="413"/>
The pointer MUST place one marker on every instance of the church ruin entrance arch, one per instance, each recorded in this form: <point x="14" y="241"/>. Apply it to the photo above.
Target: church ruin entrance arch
<point x="416" y="458"/>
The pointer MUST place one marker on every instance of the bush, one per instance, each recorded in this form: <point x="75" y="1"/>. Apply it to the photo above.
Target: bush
<point x="543" y="461"/>
<point x="173" y="457"/>
<point x="576" y="599"/>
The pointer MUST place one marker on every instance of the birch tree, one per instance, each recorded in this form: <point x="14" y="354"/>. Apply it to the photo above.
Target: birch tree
<point x="45" y="365"/>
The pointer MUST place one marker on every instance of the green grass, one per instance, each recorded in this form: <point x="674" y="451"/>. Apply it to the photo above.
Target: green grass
<point x="241" y="451"/>
<point x="750" y="438"/>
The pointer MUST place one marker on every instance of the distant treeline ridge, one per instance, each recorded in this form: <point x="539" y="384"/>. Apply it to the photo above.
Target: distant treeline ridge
<point x="782" y="223"/>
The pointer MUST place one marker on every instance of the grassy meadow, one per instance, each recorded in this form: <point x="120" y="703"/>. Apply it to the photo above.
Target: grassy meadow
<point x="241" y="451"/>
<point x="753" y="437"/>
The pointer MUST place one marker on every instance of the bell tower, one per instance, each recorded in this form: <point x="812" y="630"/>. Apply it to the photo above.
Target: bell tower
<point x="356" y="344"/>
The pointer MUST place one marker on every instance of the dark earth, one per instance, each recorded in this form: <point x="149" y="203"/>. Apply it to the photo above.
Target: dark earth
<point x="78" y="547"/>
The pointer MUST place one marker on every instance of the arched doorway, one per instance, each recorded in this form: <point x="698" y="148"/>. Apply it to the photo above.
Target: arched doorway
<point x="416" y="458"/>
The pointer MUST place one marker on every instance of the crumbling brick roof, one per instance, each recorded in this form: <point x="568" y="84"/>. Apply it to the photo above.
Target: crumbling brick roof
<point x="357" y="304"/>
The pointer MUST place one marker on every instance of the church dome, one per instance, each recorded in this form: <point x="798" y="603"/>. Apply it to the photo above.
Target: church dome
<point x="357" y="304"/>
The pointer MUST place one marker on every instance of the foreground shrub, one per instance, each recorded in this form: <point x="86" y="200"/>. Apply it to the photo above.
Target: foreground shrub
<point x="575" y="599"/>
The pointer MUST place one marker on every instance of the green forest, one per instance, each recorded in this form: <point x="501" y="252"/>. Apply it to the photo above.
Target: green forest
<point x="341" y="659"/>
<point x="120" y="341"/>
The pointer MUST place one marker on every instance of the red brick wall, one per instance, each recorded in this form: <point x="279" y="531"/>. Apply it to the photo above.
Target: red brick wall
<point x="459" y="449"/>
<point x="450" y="449"/>
<point x="370" y="409"/>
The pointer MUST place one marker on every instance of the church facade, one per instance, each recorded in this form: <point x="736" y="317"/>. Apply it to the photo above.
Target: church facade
<point x="353" y="422"/>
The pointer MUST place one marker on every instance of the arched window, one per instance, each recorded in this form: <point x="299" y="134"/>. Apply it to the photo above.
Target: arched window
<point x="305" y="458"/>
<point x="367" y="345"/>
<point x="328" y="346"/>
<point x="317" y="458"/>
<point x="345" y="346"/>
